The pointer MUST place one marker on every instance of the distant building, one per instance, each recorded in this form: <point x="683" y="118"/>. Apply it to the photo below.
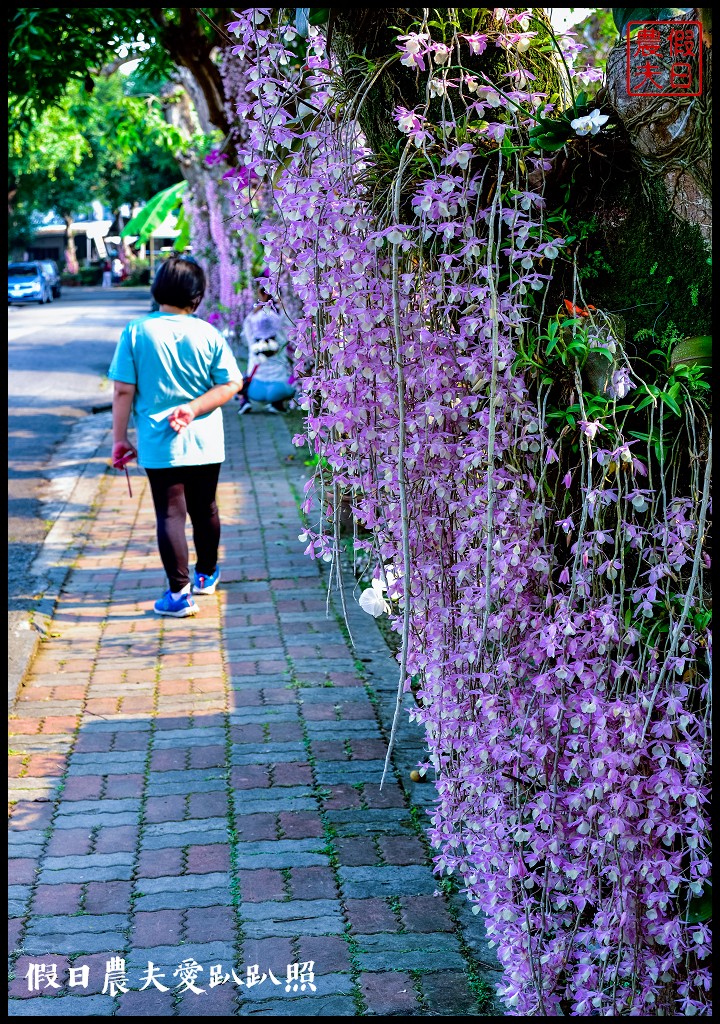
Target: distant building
<point x="92" y="238"/>
<point x="49" y="241"/>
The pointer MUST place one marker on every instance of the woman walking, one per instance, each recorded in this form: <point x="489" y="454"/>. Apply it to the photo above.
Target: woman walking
<point x="175" y="371"/>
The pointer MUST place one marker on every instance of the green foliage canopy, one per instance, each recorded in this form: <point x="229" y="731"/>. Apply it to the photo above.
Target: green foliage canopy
<point x="110" y="146"/>
<point x="52" y="46"/>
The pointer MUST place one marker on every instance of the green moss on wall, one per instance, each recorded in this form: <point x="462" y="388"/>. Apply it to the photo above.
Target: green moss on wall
<point x="660" y="269"/>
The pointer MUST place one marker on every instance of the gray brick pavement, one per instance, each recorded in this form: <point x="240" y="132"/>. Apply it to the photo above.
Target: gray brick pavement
<point x="175" y="718"/>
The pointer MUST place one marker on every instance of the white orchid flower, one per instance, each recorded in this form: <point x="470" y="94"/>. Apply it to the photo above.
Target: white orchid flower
<point x="489" y="96"/>
<point x="372" y="600"/>
<point x="590" y="124"/>
<point x="414" y="41"/>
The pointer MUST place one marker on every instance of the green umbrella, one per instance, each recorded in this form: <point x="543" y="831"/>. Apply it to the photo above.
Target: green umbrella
<point x="154" y="212"/>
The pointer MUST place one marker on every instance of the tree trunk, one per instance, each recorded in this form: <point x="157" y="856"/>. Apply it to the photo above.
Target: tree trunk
<point x="641" y="193"/>
<point x="671" y="141"/>
<point x="71" y="259"/>
<point x="647" y="192"/>
<point x="189" y="47"/>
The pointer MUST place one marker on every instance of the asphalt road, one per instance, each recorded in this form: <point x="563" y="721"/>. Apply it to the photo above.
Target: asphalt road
<point x="58" y="356"/>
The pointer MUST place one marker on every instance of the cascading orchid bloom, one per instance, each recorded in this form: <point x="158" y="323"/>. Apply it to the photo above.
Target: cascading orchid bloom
<point x="567" y="734"/>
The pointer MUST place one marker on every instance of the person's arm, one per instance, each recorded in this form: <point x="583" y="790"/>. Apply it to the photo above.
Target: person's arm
<point x="184" y="414"/>
<point x="122" y="407"/>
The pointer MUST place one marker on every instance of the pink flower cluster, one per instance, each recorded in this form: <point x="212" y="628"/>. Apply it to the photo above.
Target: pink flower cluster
<point x="555" y="631"/>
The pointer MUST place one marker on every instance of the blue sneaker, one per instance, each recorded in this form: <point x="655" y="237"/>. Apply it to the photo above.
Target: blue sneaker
<point x="206" y="584"/>
<point x="179" y="609"/>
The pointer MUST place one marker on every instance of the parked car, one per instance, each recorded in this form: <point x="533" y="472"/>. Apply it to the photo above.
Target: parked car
<point x="27" y="283"/>
<point x="52" y="273"/>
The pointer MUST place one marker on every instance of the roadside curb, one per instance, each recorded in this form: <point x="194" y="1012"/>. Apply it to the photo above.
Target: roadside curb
<point x="69" y="503"/>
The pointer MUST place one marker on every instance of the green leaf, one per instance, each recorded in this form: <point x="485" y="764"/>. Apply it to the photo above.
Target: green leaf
<point x="183" y="226"/>
<point x="670" y="401"/>
<point x="550" y="126"/>
<point x="549" y="143"/>
<point x="318" y="15"/>
<point x="623" y="15"/>
<point x="667" y="13"/>
<point x="701" y="620"/>
<point x="506" y="146"/>
<point x="606" y="353"/>
<point x="693" y="352"/>
<point x="700" y="908"/>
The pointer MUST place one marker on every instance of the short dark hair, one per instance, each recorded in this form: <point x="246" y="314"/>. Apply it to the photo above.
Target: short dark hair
<point x="180" y="282"/>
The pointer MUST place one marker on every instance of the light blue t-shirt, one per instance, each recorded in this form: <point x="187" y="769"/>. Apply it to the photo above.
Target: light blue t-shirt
<point x="172" y="358"/>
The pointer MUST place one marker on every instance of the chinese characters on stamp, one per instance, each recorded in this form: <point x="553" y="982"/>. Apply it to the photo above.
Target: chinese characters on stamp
<point x="664" y="58"/>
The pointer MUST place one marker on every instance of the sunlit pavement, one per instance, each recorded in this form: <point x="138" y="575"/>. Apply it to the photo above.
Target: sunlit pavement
<point x="58" y="356"/>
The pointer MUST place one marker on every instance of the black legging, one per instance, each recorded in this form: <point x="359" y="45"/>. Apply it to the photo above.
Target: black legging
<point x="178" y="493"/>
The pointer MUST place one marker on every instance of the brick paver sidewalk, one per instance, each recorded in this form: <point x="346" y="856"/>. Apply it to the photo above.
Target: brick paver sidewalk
<point x="207" y="789"/>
